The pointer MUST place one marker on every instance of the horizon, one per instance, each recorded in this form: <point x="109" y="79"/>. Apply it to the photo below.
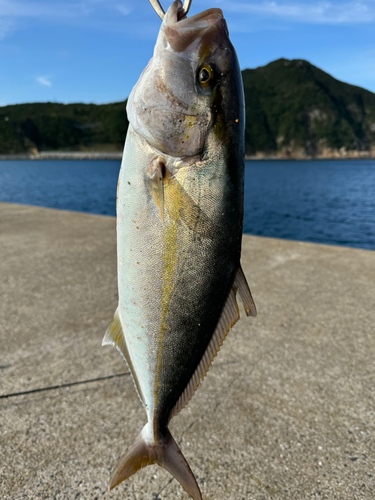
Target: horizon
<point x="124" y="100"/>
<point x="93" y="52"/>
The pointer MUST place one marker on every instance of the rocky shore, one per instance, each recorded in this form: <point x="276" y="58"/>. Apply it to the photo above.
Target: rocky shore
<point x="281" y="155"/>
<point x="325" y="154"/>
<point x="57" y="155"/>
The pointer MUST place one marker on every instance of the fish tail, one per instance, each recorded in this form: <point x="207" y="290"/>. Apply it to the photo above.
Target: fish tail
<point x="165" y="452"/>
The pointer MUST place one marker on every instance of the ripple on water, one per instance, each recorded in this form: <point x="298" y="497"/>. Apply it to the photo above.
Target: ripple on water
<point x="329" y="202"/>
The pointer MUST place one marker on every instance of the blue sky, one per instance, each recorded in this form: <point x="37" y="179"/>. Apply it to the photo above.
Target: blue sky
<point x="94" y="50"/>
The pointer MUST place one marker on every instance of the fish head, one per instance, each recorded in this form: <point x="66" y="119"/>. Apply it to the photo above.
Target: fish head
<point x="191" y="88"/>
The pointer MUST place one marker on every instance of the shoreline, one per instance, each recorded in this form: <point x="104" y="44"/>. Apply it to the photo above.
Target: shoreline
<point x="74" y="155"/>
<point x="79" y="155"/>
<point x="329" y="154"/>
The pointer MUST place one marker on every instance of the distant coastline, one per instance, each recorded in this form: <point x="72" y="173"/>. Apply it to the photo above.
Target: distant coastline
<point x="294" y="111"/>
<point x="65" y="155"/>
<point x="117" y="155"/>
<point x="329" y="154"/>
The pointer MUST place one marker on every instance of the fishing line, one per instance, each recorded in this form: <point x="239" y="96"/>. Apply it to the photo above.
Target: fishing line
<point x="62" y="386"/>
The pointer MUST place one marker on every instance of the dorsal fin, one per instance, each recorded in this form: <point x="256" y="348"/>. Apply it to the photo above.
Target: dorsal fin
<point x="240" y="285"/>
<point x="229" y="317"/>
<point x="114" y="336"/>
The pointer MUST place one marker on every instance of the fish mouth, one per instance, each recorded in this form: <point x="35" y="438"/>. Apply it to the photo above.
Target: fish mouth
<point x="182" y="31"/>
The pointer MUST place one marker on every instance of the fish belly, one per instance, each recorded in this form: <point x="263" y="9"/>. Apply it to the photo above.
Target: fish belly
<point x="174" y="276"/>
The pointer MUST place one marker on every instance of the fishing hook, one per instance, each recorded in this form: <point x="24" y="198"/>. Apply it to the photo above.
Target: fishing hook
<point x="160" y="11"/>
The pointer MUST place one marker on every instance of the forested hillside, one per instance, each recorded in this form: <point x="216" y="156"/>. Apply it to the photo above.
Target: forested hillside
<point x="62" y="127"/>
<point x="293" y="109"/>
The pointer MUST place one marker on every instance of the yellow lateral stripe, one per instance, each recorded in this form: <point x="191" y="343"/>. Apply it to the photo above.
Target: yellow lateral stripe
<point x="169" y="268"/>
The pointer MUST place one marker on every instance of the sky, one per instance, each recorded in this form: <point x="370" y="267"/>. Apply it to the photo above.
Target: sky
<point x="95" y="50"/>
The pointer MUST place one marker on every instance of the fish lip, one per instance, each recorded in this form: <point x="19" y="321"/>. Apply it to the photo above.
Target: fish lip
<point x="208" y="17"/>
<point x="181" y="33"/>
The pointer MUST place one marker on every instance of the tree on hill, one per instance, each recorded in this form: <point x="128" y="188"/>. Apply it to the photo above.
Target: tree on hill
<point x="294" y="105"/>
<point x="292" y="108"/>
<point x="62" y="127"/>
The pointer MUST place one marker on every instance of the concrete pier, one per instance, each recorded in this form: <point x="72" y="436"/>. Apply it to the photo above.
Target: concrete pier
<point x="287" y="410"/>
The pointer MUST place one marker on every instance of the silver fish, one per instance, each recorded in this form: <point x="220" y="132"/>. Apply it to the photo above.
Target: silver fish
<point x="179" y="228"/>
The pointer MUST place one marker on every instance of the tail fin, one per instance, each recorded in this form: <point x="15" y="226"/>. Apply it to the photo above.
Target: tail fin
<point x="165" y="453"/>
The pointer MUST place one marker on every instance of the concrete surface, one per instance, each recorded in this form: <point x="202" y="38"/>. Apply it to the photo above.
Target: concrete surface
<point x="286" y="412"/>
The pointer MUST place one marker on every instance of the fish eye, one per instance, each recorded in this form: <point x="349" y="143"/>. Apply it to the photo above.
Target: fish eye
<point x="205" y="75"/>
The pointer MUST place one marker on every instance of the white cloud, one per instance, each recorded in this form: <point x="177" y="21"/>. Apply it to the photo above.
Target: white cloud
<point x="362" y="11"/>
<point x="123" y="9"/>
<point x="6" y="26"/>
<point x="90" y="13"/>
<point x="21" y="8"/>
<point x="308" y="11"/>
<point x="67" y="9"/>
<point x="44" y="80"/>
<point x="64" y="54"/>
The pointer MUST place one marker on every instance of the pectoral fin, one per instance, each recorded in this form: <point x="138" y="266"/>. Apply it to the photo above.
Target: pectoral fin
<point x="155" y="182"/>
<point x="189" y="212"/>
<point x="240" y="285"/>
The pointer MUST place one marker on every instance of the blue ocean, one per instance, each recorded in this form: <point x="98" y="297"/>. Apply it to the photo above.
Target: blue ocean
<point x="330" y="202"/>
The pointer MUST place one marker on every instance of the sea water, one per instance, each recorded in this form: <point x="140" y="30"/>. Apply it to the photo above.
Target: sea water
<point x="322" y="201"/>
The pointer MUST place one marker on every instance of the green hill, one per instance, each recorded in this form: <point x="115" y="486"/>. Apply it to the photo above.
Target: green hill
<point x="62" y="127"/>
<point x="293" y="109"/>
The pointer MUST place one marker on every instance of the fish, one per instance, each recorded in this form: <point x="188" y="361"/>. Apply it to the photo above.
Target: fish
<point x="179" y="228"/>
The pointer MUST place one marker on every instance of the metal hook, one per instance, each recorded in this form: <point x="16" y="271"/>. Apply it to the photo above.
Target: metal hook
<point x="160" y="11"/>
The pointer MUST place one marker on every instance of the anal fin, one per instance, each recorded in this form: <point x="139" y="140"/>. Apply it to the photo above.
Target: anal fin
<point x="115" y="336"/>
